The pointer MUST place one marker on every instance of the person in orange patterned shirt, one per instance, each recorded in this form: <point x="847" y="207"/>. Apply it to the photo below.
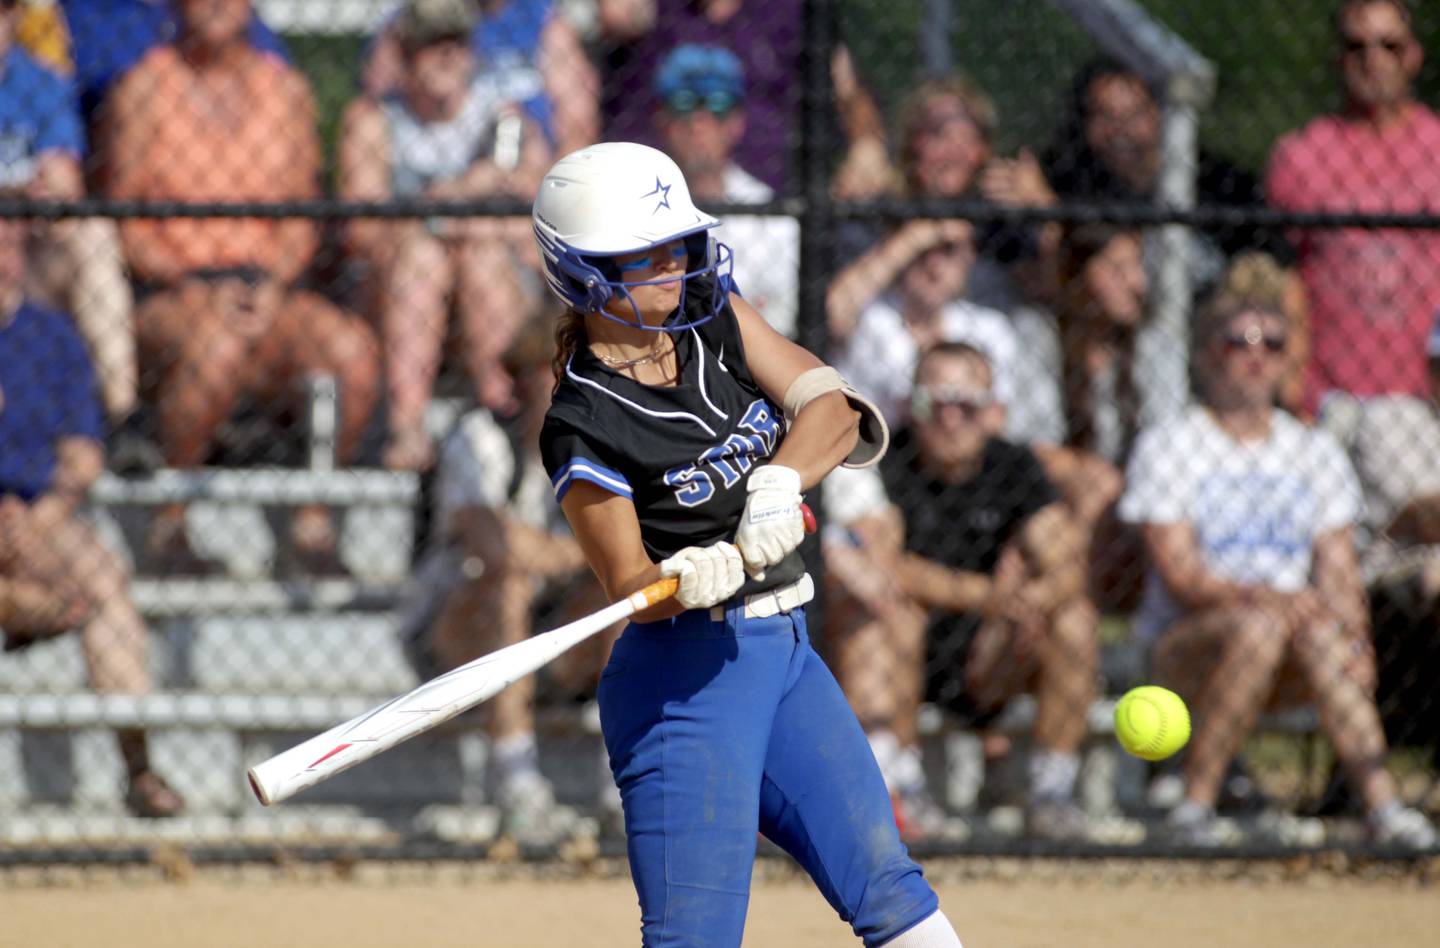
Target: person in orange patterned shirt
<point x="210" y="118"/>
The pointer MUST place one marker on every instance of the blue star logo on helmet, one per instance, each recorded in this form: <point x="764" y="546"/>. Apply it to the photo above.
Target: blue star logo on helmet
<point x="663" y="190"/>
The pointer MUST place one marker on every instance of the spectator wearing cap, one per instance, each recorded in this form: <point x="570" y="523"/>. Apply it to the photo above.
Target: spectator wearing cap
<point x="449" y="131"/>
<point x="701" y="121"/>
<point x="532" y="47"/>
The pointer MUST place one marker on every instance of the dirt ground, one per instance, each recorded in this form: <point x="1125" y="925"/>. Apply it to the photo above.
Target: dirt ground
<point x="1011" y="905"/>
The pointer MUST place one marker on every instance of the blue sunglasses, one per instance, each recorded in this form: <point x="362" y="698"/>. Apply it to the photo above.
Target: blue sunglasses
<point x="648" y="261"/>
<point x="717" y="103"/>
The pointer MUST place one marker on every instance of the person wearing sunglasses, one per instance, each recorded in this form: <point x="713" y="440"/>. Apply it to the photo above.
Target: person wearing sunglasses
<point x="700" y="122"/>
<point x="992" y="555"/>
<point x="1254" y="599"/>
<point x="1372" y="292"/>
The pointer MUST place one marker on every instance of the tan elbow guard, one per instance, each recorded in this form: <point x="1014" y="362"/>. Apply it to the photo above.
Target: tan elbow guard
<point x="874" y="433"/>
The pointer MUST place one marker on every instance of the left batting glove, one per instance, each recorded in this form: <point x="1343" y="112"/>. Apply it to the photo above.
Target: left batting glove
<point x="772" y="524"/>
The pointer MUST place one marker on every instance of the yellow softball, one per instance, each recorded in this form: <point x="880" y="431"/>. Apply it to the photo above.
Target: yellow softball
<point x="1151" y="722"/>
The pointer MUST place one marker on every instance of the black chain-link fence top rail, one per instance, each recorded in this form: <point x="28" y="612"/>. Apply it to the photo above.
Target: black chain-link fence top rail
<point x="1145" y="291"/>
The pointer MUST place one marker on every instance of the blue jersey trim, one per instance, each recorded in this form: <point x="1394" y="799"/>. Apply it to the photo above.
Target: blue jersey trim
<point x="582" y="469"/>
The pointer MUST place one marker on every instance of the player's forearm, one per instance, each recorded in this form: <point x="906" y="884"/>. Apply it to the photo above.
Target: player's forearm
<point x="825" y="432"/>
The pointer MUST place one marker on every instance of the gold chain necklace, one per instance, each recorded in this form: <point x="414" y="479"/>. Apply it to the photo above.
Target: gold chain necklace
<point x="629" y="363"/>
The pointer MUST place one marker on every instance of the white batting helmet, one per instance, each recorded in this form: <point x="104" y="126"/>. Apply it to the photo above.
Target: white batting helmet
<point x="618" y="198"/>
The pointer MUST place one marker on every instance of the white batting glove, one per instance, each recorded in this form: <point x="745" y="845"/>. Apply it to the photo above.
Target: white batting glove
<point x="772" y="524"/>
<point x="709" y="575"/>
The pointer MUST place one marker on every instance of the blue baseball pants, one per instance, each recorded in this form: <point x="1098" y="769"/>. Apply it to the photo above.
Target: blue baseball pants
<point x="717" y="729"/>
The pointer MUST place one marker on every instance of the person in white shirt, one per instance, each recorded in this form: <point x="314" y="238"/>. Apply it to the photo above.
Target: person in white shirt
<point x="1254" y="596"/>
<point x="701" y="121"/>
<point x="499" y="554"/>
<point x="923" y="308"/>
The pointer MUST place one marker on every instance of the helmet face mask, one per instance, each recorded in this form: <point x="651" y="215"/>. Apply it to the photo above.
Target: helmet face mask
<point x="620" y="198"/>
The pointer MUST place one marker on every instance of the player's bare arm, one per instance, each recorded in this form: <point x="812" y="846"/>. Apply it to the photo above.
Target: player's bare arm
<point x="608" y="530"/>
<point x="827" y="428"/>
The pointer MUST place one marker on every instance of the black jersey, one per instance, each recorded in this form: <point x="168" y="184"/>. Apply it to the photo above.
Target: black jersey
<point x="680" y="454"/>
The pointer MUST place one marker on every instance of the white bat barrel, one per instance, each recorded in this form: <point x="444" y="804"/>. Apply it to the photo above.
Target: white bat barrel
<point x="431" y="704"/>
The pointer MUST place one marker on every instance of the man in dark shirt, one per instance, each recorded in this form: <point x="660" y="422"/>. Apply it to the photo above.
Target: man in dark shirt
<point x="992" y="553"/>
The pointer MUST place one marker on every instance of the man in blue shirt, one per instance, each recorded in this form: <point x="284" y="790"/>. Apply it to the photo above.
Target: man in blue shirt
<point x="78" y="264"/>
<point x="50" y="454"/>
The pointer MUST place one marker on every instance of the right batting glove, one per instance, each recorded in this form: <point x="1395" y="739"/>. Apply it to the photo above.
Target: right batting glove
<point x="772" y="524"/>
<point x="709" y="575"/>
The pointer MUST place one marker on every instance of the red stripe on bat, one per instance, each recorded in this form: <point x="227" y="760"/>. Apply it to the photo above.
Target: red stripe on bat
<point x="328" y="756"/>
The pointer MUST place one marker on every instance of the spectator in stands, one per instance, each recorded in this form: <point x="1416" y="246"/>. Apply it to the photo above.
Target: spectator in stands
<point x="1108" y="147"/>
<point x="78" y="264"/>
<point x="498" y="555"/>
<point x="1107" y="389"/>
<point x="875" y="639"/>
<point x="1394" y="442"/>
<point x="767" y="37"/>
<point x="211" y="118"/>
<point x="531" y="50"/>
<point x="55" y="573"/>
<point x="108" y="37"/>
<point x="926" y="306"/>
<point x="1373" y="293"/>
<point x="946" y="129"/>
<point x="1254" y="597"/>
<point x="449" y="132"/>
<point x="701" y="120"/>
<point x="992" y="554"/>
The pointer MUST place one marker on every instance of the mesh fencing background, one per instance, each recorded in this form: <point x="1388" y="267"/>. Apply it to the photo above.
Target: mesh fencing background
<point x="268" y="408"/>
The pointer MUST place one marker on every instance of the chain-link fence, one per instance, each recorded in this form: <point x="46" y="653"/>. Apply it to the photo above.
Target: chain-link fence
<point x="1146" y="292"/>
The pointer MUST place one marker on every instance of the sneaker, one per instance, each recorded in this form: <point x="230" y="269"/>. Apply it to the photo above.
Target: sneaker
<point x="917" y="816"/>
<point x="130" y="450"/>
<point x="1057" y="821"/>
<point x="1191" y="824"/>
<point x="1403" y="827"/>
<point x="529" y="813"/>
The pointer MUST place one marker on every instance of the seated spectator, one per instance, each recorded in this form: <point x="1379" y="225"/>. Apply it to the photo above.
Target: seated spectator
<point x="701" y="121"/>
<point x="449" y="132"/>
<point x="875" y="639"/>
<point x="108" y="37"/>
<point x="1254" y="599"/>
<point x="499" y="554"/>
<point x="211" y="118"/>
<point x="1394" y="442"/>
<point x="56" y="574"/>
<point x="532" y="50"/>
<point x="1108" y="146"/>
<point x="992" y="555"/>
<point x="1373" y="292"/>
<point x="1112" y="363"/>
<point x="78" y="266"/>
<point x="926" y="307"/>
<point x="767" y="37"/>
<point x="946" y="129"/>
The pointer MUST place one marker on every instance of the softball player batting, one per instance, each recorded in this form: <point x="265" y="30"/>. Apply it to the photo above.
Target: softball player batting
<point x="669" y="453"/>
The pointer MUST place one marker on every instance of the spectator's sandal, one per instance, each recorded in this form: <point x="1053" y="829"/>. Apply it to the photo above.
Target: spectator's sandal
<point x="151" y="797"/>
